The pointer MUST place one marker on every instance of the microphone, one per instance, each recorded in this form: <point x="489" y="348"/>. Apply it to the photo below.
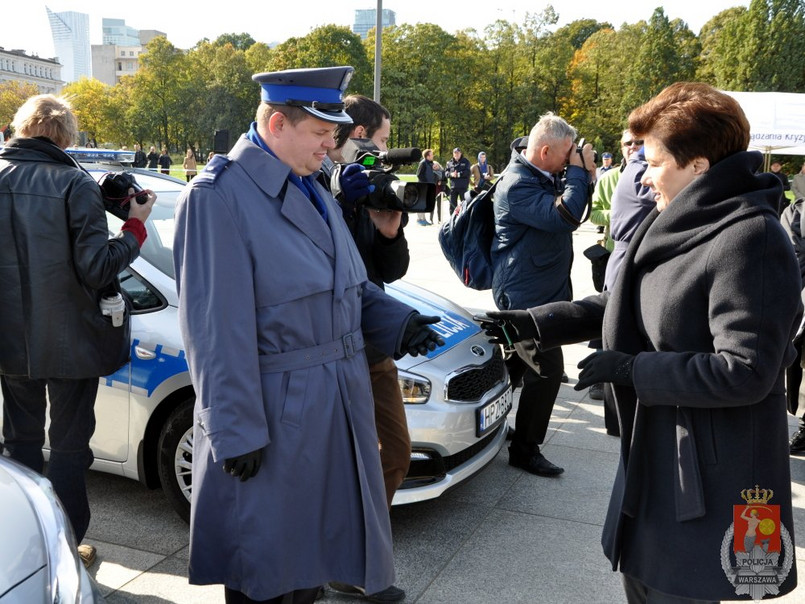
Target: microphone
<point x="408" y="155"/>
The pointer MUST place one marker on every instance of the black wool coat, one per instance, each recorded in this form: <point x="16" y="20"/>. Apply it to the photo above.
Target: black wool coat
<point x="708" y="300"/>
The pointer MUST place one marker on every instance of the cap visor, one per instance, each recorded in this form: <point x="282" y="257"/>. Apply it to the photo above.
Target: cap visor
<point x="337" y="117"/>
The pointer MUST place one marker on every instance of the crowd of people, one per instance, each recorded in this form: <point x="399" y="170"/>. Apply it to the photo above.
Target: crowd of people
<point x="696" y="337"/>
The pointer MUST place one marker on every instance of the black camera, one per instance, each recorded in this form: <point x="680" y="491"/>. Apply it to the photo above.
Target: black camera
<point x="390" y="193"/>
<point x="579" y="148"/>
<point x="115" y="190"/>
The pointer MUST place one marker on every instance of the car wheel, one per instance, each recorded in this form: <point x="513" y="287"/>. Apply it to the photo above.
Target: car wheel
<point x="176" y="458"/>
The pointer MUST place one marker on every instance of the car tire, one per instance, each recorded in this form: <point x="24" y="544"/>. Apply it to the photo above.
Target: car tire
<point x="176" y="457"/>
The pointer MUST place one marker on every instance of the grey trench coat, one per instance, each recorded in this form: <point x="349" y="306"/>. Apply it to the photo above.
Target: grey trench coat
<point x="273" y="305"/>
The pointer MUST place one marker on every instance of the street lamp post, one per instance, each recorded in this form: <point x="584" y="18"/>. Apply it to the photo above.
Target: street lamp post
<point x="378" y="46"/>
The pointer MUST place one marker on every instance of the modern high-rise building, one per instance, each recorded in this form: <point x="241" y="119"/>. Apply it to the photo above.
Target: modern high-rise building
<point x="117" y="33"/>
<point x="366" y="19"/>
<point x="71" y="40"/>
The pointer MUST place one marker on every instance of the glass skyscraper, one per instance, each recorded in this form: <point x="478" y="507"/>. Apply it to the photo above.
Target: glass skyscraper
<point x="71" y="40"/>
<point x="365" y="19"/>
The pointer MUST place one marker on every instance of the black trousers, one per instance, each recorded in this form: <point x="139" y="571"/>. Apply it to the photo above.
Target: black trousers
<point x="72" y="422"/>
<point x="456" y="195"/>
<point x="300" y="596"/>
<point x="541" y="373"/>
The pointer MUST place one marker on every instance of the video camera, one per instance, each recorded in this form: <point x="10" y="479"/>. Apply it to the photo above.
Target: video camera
<point x="390" y="193"/>
<point x="115" y="190"/>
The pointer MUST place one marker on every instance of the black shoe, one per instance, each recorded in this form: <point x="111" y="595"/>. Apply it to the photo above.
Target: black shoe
<point x="797" y="444"/>
<point x="565" y="379"/>
<point x="534" y="463"/>
<point x="390" y="594"/>
<point x="597" y="392"/>
<point x="600" y="229"/>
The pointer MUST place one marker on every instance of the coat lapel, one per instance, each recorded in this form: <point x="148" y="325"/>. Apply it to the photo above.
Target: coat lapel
<point x="271" y="175"/>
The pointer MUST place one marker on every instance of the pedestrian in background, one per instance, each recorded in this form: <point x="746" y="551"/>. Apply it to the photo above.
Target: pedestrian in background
<point x="458" y="170"/>
<point x="189" y="165"/>
<point x="165" y="162"/>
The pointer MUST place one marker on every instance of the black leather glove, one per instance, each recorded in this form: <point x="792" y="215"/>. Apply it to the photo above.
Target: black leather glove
<point x="354" y="183"/>
<point x="605" y="366"/>
<point x="244" y="466"/>
<point x="510" y="326"/>
<point x="418" y="338"/>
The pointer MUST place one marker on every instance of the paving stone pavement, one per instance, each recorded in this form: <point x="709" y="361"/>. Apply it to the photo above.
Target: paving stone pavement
<point x="504" y="536"/>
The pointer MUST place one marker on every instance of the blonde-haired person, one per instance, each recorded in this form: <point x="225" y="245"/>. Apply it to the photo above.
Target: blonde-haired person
<point x="189" y="165"/>
<point x="57" y="263"/>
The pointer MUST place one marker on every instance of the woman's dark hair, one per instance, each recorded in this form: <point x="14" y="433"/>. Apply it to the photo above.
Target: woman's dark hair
<point x="364" y="112"/>
<point x="693" y="120"/>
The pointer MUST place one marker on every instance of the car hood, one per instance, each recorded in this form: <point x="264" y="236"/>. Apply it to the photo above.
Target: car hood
<point x="456" y="323"/>
<point x="22" y="552"/>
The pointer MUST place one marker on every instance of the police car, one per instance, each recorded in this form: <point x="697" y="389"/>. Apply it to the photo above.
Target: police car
<point x="457" y="397"/>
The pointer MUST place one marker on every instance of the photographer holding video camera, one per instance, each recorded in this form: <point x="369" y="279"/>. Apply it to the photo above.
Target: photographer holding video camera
<point x="379" y="237"/>
<point x="57" y="263"/>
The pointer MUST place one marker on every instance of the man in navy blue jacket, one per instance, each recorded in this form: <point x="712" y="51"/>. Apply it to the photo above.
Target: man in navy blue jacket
<point x="532" y="254"/>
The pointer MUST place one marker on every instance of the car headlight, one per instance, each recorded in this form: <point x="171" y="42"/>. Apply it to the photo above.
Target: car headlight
<point x="63" y="561"/>
<point x="415" y="389"/>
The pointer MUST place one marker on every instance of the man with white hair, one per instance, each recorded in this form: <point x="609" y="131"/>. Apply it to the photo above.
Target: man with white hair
<point x="532" y="253"/>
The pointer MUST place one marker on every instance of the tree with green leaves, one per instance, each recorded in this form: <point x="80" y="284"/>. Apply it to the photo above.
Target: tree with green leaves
<point x="326" y="46"/>
<point x="12" y="95"/>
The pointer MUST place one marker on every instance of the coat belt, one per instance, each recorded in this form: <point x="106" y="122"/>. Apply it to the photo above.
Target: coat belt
<point x="345" y="347"/>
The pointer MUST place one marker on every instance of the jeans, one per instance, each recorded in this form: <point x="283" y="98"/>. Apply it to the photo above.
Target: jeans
<point x="72" y="422"/>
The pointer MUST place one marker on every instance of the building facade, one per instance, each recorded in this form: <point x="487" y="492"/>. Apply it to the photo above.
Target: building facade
<point x="366" y="19"/>
<point x="71" y="40"/>
<point x="15" y="65"/>
<point x="117" y="33"/>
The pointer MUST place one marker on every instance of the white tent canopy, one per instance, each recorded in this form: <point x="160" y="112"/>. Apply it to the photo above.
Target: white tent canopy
<point x="776" y="121"/>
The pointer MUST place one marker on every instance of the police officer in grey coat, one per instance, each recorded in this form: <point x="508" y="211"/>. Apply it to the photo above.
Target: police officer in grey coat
<point x="274" y="304"/>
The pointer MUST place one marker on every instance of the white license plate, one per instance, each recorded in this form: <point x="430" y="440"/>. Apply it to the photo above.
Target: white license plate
<point x="491" y="414"/>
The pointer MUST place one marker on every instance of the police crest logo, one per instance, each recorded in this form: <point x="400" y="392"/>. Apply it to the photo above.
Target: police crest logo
<point x="754" y="544"/>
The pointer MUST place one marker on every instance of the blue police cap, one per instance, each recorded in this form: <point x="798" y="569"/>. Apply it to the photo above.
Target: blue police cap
<point x="319" y="91"/>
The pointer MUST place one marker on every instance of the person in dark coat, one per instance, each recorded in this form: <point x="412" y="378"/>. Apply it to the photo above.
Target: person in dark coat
<point x="153" y="158"/>
<point x="56" y="264"/>
<point x="532" y="253"/>
<point x="139" y="157"/>
<point x="794" y="226"/>
<point x="458" y="171"/>
<point x="274" y="309"/>
<point x="697" y="333"/>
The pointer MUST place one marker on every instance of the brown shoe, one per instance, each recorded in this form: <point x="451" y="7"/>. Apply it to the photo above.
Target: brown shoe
<point x="87" y="554"/>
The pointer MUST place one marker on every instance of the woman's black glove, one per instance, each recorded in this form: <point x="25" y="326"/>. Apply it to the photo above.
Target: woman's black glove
<point x="244" y="466"/>
<point x="605" y="366"/>
<point x="418" y="338"/>
<point x="509" y="326"/>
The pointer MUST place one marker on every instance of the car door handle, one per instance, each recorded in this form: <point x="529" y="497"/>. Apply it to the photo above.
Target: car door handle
<point x="144" y="354"/>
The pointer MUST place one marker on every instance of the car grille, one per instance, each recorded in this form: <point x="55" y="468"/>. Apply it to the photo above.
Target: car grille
<point x="427" y="471"/>
<point x="470" y="385"/>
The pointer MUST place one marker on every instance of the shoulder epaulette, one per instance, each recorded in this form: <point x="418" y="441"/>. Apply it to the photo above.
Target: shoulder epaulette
<point x="214" y="168"/>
